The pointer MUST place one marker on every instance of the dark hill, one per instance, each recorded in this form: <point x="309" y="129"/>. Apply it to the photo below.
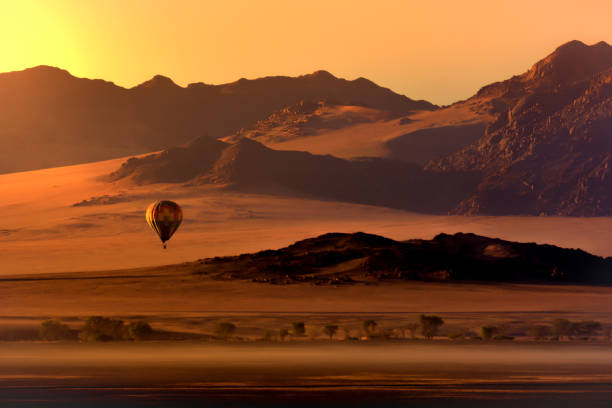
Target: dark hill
<point x="248" y="165"/>
<point x="338" y="258"/>
<point x="51" y="118"/>
<point x="549" y="150"/>
<point x="174" y="165"/>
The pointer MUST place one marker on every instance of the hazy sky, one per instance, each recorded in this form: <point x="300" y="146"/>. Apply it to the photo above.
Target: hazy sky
<point x="441" y="51"/>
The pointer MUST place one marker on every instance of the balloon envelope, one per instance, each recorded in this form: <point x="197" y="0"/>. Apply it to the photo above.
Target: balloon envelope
<point x="164" y="217"/>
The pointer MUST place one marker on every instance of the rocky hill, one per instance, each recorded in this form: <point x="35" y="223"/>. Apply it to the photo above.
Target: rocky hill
<point x="548" y="152"/>
<point x="51" y="118"/>
<point x="338" y="258"/>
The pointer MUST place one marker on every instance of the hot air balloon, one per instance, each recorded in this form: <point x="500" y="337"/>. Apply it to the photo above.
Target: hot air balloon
<point x="164" y="217"/>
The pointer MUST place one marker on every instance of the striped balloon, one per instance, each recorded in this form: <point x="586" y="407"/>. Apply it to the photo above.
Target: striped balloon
<point x="164" y="217"/>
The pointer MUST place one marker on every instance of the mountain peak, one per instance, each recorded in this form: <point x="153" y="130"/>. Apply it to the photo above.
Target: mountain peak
<point x="572" y="61"/>
<point x="47" y="68"/>
<point x="570" y="46"/>
<point x="158" y="81"/>
<point x="322" y="74"/>
<point x="246" y="144"/>
<point x="45" y="71"/>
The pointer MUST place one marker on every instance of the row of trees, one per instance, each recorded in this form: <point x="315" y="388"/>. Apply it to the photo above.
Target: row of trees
<point x="557" y="330"/>
<point x="96" y="328"/>
<point x="99" y="328"/>
<point x="563" y="328"/>
<point x="429" y="326"/>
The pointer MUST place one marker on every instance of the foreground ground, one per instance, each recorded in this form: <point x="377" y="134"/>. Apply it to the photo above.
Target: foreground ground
<point x="186" y="375"/>
<point x="305" y="371"/>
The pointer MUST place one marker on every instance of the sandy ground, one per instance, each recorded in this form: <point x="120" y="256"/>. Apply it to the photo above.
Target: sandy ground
<point x="177" y="290"/>
<point x="41" y="231"/>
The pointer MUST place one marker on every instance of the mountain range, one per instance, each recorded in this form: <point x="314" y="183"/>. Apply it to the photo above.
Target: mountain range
<point x="50" y="118"/>
<point x="535" y="144"/>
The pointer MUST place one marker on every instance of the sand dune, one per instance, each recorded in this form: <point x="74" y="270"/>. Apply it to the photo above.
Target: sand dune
<point x="372" y="133"/>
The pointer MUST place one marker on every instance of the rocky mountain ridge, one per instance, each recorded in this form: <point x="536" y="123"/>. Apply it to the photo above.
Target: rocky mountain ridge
<point x="548" y="152"/>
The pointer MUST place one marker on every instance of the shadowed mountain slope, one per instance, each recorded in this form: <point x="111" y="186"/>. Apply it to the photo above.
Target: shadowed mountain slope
<point x="51" y="118"/>
<point x="250" y="166"/>
<point x="337" y="258"/>
<point x="549" y="150"/>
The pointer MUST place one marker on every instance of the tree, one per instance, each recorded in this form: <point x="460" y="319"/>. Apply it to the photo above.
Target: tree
<point x="412" y="328"/>
<point x="369" y="326"/>
<point x="268" y="335"/>
<point x="225" y="329"/>
<point x="298" y="328"/>
<point x="330" y="330"/>
<point x="585" y="328"/>
<point x="430" y="325"/>
<point x="282" y="334"/>
<point x="99" y="328"/>
<point x="561" y="327"/>
<point x="539" y="332"/>
<point x="488" y="332"/>
<point x="52" y="330"/>
<point x="348" y="335"/>
<point x="313" y="332"/>
<point x="140" y="331"/>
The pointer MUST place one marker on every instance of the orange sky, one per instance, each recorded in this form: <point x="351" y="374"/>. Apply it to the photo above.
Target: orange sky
<point x="441" y="51"/>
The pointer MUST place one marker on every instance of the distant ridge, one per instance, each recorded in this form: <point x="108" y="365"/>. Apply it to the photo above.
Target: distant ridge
<point x="51" y="118"/>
